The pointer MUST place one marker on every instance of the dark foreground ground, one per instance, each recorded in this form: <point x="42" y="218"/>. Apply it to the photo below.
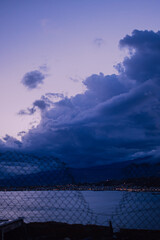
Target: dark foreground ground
<point x="63" y="231"/>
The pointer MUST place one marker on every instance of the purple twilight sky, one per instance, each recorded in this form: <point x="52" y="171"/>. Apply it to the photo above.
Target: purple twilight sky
<point x="80" y="75"/>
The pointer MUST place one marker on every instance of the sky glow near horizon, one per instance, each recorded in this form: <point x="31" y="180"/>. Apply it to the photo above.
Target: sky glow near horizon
<point x="54" y="46"/>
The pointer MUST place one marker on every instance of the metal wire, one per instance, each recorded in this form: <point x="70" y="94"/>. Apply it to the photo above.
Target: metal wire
<point x="34" y="187"/>
<point x="40" y="189"/>
<point x="139" y="209"/>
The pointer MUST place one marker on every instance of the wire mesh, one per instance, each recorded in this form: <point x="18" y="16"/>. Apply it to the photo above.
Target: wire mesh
<point x="42" y="189"/>
<point x="38" y="189"/>
<point x="139" y="207"/>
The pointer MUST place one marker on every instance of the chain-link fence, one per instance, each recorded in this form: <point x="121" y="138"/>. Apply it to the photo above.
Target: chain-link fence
<point x="39" y="189"/>
<point x="42" y="189"/>
<point x="139" y="207"/>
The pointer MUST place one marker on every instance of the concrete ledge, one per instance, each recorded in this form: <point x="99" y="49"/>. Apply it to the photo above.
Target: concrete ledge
<point x="10" y="225"/>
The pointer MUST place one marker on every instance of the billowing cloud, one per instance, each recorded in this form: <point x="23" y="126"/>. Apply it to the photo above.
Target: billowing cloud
<point x="143" y="61"/>
<point x="117" y="118"/>
<point x="40" y="104"/>
<point x="33" y="79"/>
<point x="11" y="142"/>
<point x="46" y="101"/>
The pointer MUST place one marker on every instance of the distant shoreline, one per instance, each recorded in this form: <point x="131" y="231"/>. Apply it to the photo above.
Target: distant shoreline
<point x="83" y="188"/>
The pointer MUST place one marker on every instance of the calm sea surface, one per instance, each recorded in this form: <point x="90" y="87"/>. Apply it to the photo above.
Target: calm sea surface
<point x="124" y="209"/>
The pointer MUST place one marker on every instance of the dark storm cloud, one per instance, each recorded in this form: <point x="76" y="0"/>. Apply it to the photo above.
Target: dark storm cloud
<point x="12" y="142"/>
<point x="117" y="117"/>
<point x="33" y="79"/>
<point x="42" y="104"/>
<point x="2" y="145"/>
<point x="144" y="60"/>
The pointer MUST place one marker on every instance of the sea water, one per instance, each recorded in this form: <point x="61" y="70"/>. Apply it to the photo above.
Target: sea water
<point x="139" y="210"/>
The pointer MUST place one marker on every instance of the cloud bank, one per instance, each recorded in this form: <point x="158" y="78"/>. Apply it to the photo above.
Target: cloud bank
<point x="33" y="79"/>
<point x="117" y="118"/>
